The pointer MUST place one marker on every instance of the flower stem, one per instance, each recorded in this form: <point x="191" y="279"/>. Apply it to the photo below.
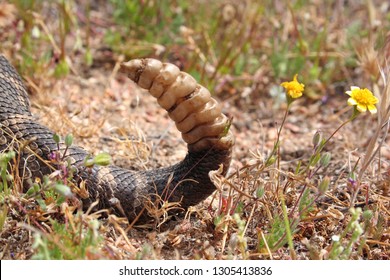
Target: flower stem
<point x="283" y="121"/>
<point x="341" y="126"/>
<point x="276" y="145"/>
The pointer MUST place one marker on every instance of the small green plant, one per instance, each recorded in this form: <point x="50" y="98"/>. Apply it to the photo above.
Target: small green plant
<point x="275" y="236"/>
<point x="352" y="235"/>
<point x="146" y="26"/>
<point x="6" y="183"/>
<point x="41" y="44"/>
<point x="77" y="239"/>
<point x="238" y="239"/>
<point x="6" y="178"/>
<point x="56" y="185"/>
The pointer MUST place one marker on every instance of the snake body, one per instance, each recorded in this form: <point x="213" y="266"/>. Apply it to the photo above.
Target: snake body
<point x="125" y="192"/>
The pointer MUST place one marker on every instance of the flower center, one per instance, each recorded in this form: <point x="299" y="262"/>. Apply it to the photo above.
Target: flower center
<point x="363" y="96"/>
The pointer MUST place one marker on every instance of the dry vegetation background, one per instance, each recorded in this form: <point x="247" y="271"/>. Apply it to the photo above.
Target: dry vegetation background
<point x="278" y="202"/>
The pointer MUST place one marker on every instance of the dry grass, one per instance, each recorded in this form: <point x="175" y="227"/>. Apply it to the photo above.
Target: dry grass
<point x="284" y="201"/>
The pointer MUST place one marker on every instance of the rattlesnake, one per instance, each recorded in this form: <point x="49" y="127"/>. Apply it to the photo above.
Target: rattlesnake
<point x="196" y="114"/>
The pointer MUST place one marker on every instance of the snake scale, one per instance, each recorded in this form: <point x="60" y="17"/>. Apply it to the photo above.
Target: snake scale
<point x="196" y="114"/>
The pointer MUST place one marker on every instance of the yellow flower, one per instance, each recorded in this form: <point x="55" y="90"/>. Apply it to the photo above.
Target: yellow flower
<point x="363" y="99"/>
<point x="294" y="88"/>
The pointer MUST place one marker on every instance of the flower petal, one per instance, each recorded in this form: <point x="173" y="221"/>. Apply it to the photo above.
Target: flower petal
<point x="296" y="94"/>
<point x="372" y="109"/>
<point x="354" y="88"/>
<point x="361" y="108"/>
<point x="349" y="92"/>
<point x="293" y="88"/>
<point x="351" y="102"/>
